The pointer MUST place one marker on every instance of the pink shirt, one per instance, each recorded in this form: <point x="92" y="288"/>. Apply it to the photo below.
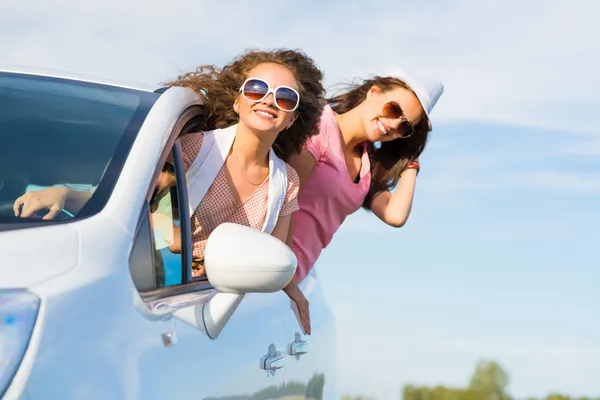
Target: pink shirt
<point x="329" y="195"/>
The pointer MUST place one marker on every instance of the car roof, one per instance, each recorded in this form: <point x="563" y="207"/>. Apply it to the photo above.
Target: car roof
<point x="20" y="69"/>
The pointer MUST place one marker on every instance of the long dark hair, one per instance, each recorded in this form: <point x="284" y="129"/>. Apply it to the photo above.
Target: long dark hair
<point x="391" y="158"/>
<point x="219" y="88"/>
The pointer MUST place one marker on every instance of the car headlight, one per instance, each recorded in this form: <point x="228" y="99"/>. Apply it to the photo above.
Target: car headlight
<point x="18" y="313"/>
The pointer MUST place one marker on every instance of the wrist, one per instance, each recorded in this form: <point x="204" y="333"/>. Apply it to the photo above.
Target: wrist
<point x="414" y="165"/>
<point x="65" y="194"/>
<point x="63" y="191"/>
<point x="73" y="200"/>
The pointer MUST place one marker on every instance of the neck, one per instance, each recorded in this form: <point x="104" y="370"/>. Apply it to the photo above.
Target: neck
<point x="252" y="149"/>
<point x="351" y="128"/>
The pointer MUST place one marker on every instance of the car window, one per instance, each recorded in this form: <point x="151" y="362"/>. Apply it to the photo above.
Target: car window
<point x="157" y="260"/>
<point x="160" y="261"/>
<point x="59" y="131"/>
<point x="166" y="227"/>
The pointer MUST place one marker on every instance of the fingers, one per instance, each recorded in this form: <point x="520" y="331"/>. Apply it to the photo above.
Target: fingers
<point x="52" y="213"/>
<point x="30" y="208"/>
<point x="17" y="206"/>
<point x="25" y="206"/>
<point x="297" y="297"/>
<point x="305" y="316"/>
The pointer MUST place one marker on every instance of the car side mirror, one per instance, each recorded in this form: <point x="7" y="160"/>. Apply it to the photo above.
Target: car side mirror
<point x="238" y="260"/>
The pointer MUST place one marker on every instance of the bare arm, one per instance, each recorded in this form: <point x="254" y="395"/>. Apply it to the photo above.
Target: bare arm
<point x="284" y="232"/>
<point x="282" y="228"/>
<point x="175" y="246"/>
<point x="304" y="163"/>
<point x="290" y="236"/>
<point x="394" y="209"/>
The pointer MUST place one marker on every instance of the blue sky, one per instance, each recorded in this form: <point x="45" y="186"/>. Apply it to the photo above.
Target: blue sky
<point x="499" y="257"/>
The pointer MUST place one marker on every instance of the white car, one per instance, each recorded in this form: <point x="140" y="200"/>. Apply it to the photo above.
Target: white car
<point x="93" y="305"/>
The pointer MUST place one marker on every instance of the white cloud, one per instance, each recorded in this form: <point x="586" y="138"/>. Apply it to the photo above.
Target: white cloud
<point x="560" y="182"/>
<point x="589" y="148"/>
<point x="518" y="62"/>
<point x="457" y="181"/>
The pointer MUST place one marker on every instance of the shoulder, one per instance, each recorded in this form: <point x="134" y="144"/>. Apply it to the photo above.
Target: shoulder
<point x="293" y="177"/>
<point x="317" y="144"/>
<point x="328" y="128"/>
<point x="190" y="140"/>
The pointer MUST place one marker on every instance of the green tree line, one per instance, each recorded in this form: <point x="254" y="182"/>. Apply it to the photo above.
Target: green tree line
<point x="488" y="382"/>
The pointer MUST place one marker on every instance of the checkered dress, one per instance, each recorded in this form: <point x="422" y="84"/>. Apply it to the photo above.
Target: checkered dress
<point x="219" y="205"/>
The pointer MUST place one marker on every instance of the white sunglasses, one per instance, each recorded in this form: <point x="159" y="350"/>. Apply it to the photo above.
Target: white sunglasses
<point x="285" y="98"/>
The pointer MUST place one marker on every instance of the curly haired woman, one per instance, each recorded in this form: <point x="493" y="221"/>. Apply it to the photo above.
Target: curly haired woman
<point x="260" y="110"/>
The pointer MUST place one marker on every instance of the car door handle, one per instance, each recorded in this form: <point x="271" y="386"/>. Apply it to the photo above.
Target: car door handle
<point x="298" y="347"/>
<point x="273" y="360"/>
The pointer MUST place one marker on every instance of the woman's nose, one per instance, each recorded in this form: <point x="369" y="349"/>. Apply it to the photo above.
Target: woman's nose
<point x="269" y="99"/>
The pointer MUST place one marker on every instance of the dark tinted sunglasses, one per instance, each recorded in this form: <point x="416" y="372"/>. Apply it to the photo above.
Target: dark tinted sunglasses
<point x="392" y="110"/>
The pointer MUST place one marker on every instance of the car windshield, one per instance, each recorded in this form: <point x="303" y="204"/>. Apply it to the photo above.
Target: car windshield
<point x="57" y="131"/>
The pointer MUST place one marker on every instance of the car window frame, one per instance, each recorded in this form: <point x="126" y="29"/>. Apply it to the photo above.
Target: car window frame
<point x="186" y="123"/>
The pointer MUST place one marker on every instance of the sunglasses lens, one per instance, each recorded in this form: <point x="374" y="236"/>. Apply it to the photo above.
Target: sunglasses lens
<point x="391" y="109"/>
<point x="255" y="89"/>
<point x="406" y="128"/>
<point x="287" y="99"/>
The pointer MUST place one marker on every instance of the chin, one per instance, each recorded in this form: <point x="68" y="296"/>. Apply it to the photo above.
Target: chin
<point x="376" y="137"/>
<point x="264" y="126"/>
<point x="386" y="138"/>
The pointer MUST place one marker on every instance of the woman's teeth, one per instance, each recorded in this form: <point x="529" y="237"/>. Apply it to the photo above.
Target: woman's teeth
<point x="265" y="114"/>
<point x="381" y="128"/>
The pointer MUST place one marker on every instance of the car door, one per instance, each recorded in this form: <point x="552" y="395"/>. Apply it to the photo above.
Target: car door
<point x="310" y="372"/>
<point x="205" y="368"/>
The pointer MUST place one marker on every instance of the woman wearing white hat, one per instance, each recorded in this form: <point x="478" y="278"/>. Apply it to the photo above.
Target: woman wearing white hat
<point x="341" y="168"/>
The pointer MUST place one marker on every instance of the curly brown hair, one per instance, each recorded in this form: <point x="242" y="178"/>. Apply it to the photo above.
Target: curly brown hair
<point x="219" y="88"/>
<point x="391" y="158"/>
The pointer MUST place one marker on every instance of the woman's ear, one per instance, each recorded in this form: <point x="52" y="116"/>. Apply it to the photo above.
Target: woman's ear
<point x="236" y="106"/>
<point x="292" y="121"/>
<point x="374" y="90"/>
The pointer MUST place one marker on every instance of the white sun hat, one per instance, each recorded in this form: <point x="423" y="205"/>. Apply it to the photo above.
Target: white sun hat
<point x="427" y="88"/>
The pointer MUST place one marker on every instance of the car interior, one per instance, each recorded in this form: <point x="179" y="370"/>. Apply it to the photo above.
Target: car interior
<point x="54" y="135"/>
